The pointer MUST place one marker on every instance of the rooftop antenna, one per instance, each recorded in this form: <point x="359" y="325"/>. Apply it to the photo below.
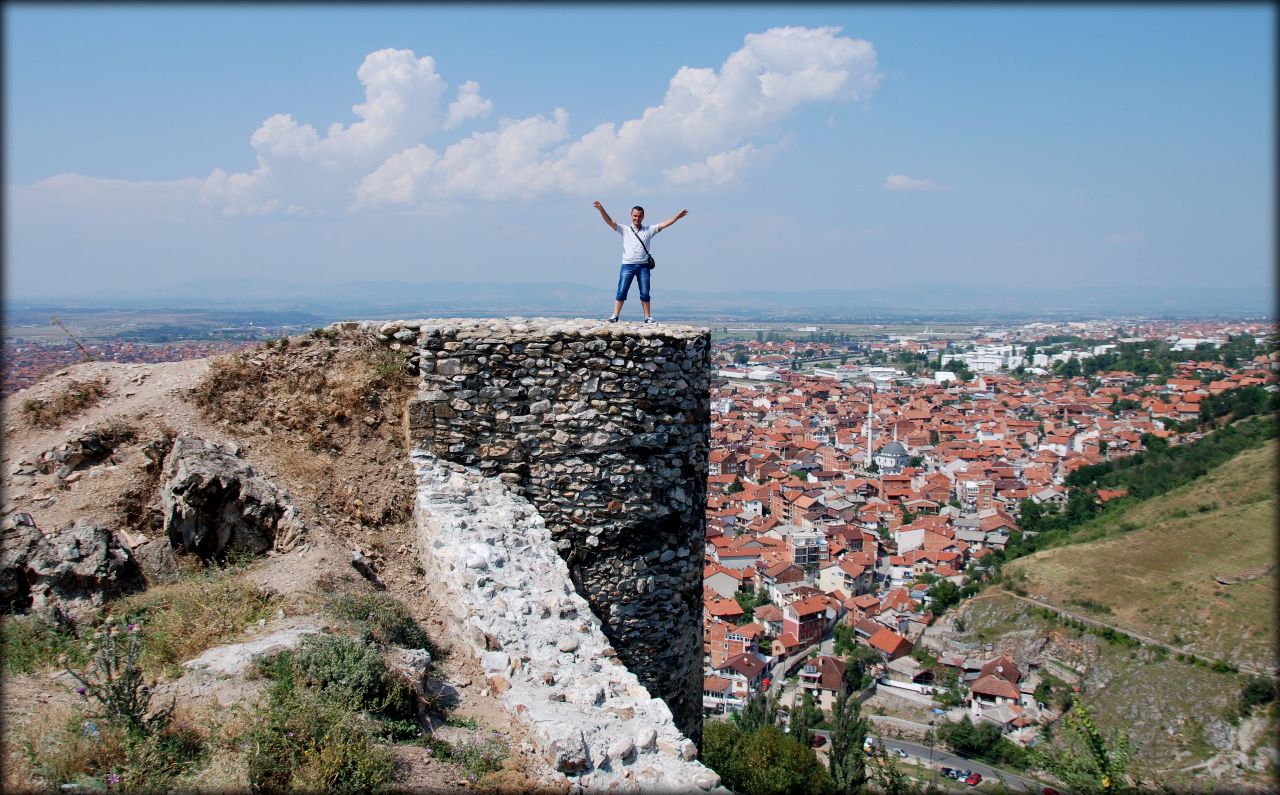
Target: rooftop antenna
<point x="88" y="357"/>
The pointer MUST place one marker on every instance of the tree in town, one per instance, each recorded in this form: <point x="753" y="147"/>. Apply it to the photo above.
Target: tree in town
<point x="802" y="720"/>
<point x="942" y="595"/>
<point x="768" y="761"/>
<point x="755" y="757"/>
<point x="842" y="638"/>
<point x="888" y="778"/>
<point x="948" y="692"/>
<point x="859" y="661"/>
<point x="1030" y="514"/>
<point x="848" y="731"/>
<point x="760" y="710"/>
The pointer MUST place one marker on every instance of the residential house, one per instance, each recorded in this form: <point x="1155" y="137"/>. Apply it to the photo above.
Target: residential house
<point x="720" y="580"/>
<point x="716" y="606"/>
<point x="769" y="617"/>
<point x="779" y="580"/>
<point x="719" y="698"/>
<point x="823" y="678"/>
<point x="890" y="644"/>
<point x="745" y="672"/>
<point x="991" y="691"/>
<point x="807" y="619"/>
<point x="723" y="640"/>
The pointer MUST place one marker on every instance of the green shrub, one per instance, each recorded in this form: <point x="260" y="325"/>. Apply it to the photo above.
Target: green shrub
<point x="381" y="618"/>
<point x="307" y="742"/>
<point x="32" y="643"/>
<point x="477" y="757"/>
<point x="1090" y="605"/>
<point x="1257" y="691"/>
<point x="316" y="733"/>
<point x="352" y="674"/>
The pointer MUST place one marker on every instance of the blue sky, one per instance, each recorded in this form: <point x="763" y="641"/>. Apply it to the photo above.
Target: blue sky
<point x="841" y="146"/>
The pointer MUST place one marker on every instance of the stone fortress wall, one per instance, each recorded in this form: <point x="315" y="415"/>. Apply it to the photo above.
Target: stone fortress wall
<point x="603" y="430"/>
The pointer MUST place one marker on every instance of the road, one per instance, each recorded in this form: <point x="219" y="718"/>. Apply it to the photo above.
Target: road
<point x="943" y="758"/>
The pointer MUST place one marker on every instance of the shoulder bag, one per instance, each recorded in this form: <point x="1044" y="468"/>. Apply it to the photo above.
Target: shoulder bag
<point x="650" y="264"/>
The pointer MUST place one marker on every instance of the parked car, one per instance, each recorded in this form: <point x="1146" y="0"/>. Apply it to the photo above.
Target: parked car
<point x="974" y="779"/>
<point x="900" y="753"/>
<point x="947" y="772"/>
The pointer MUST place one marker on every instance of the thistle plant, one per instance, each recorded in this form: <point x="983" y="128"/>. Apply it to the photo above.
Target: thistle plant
<point x="116" y="683"/>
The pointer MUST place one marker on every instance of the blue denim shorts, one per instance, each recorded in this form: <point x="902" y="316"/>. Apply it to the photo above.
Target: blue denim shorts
<point x="638" y="271"/>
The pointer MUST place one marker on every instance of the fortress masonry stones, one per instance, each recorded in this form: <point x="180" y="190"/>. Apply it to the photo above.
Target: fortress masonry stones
<point x="604" y="430"/>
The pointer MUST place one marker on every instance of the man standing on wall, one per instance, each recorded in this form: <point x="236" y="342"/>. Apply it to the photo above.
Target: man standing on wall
<point x="635" y="256"/>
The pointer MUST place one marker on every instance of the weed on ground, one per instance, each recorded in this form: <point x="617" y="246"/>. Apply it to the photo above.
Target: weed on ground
<point x="382" y="619"/>
<point x="73" y="398"/>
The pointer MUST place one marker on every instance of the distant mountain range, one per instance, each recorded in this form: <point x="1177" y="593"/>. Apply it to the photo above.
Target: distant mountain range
<point x="379" y="299"/>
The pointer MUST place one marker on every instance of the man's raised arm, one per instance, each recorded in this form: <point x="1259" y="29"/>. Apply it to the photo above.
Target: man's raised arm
<point x="605" y="216"/>
<point x="672" y="220"/>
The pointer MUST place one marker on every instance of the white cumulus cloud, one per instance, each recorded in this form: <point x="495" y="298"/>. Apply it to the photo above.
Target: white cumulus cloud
<point x="468" y="105"/>
<point x="706" y="130"/>
<point x="902" y="182"/>
<point x="406" y="148"/>
<point x="300" y="168"/>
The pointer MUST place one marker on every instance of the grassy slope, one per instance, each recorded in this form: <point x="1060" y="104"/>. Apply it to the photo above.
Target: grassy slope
<point x="1151" y="567"/>
<point x="1177" y="714"/>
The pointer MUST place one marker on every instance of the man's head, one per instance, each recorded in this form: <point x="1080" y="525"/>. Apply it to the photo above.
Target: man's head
<point x="637" y="215"/>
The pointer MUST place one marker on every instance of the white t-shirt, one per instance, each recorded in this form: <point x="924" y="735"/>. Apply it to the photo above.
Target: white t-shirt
<point x="632" y="252"/>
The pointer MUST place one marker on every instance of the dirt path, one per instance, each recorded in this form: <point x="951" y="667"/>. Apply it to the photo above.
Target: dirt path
<point x="1135" y="635"/>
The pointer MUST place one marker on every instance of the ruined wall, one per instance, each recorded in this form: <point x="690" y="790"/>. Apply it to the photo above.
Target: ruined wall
<point x="492" y="564"/>
<point x="604" y="429"/>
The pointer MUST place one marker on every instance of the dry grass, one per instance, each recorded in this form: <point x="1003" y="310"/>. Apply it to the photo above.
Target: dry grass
<point x="324" y="388"/>
<point x="69" y="749"/>
<point x="180" y="620"/>
<point x="1153" y="566"/>
<point x="227" y="767"/>
<point x="73" y="398"/>
<point x="337" y="397"/>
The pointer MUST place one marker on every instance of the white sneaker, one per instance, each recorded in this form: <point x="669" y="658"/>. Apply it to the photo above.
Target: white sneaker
<point x="613" y="319"/>
<point x="650" y="320"/>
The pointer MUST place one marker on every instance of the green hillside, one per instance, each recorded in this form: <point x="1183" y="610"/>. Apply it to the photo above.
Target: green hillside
<point x="1155" y="567"/>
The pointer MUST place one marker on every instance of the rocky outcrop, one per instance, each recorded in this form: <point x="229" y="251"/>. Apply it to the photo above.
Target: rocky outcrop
<point x="214" y="504"/>
<point x="73" y="571"/>
<point x="68" y="460"/>
<point x="604" y="429"/>
<point x="20" y="539"/>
